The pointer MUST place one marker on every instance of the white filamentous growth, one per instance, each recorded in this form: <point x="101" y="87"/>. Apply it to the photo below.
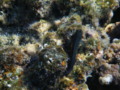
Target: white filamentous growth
<point x="107" y="79"/>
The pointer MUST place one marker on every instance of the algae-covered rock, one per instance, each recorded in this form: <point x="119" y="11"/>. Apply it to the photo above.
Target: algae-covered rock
<point x="12" y="60"/>
<point x="68" y="28"/>
<point x="51" y="38"/>
<point x="54" y="58"/>
<point x="41" y="26"/>
<point x="9" y="40"/>
<point x="41" y="39"/>
<point x="47" y="68"/>
<point x="113" y="30"/>
<point x="98" y="12"/>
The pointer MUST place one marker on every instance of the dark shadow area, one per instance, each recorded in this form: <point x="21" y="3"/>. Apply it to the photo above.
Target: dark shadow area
<point x="60" y="10"/>
<point x="116" y="16"/>
<point x="86" y="20"/>
<point x="93" y="84"/>
<point x="37" y="77"/>
<point x="102" y="21"/>
<point x="21" y="13"/>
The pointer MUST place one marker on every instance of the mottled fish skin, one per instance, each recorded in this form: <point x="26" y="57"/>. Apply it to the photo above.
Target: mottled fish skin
<point x="76" y="40"/>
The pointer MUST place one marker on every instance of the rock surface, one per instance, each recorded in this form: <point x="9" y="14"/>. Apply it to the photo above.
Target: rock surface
<point x="37" y="38"/>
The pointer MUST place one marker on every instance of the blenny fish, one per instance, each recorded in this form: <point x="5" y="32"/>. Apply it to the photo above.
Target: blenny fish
<point x="76" y="38"/>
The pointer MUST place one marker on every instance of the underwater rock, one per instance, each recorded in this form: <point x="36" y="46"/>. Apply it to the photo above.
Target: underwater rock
<point x="40" y="26"/>
<point x="38" y="39"/>
<point x="107" y="79"/>
<point x="113" y="30"/>
<point x="51" y="38"/>
<point x="44" y="8"/>
<point x="13" y="55"/>
<point x="111" y="54"/>
<point x="48" y="68"/>
<point x="18" y="11"/>
<point x="54" y="58"/>
<point x="9" y="40"/>
<point x="108" y="73"/>
<point x="12" y="60"/>
<point x="31" y="49"/>
<point x="66" y="30"/>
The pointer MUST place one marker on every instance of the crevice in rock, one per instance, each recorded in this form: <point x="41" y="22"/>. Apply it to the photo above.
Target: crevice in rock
<point x="93" y="84"/>
<point x="116" y="15"/>
<point x="60" y="10"/>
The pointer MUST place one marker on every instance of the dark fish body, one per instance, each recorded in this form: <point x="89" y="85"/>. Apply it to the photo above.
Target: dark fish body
<point x="76" y="38"/>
